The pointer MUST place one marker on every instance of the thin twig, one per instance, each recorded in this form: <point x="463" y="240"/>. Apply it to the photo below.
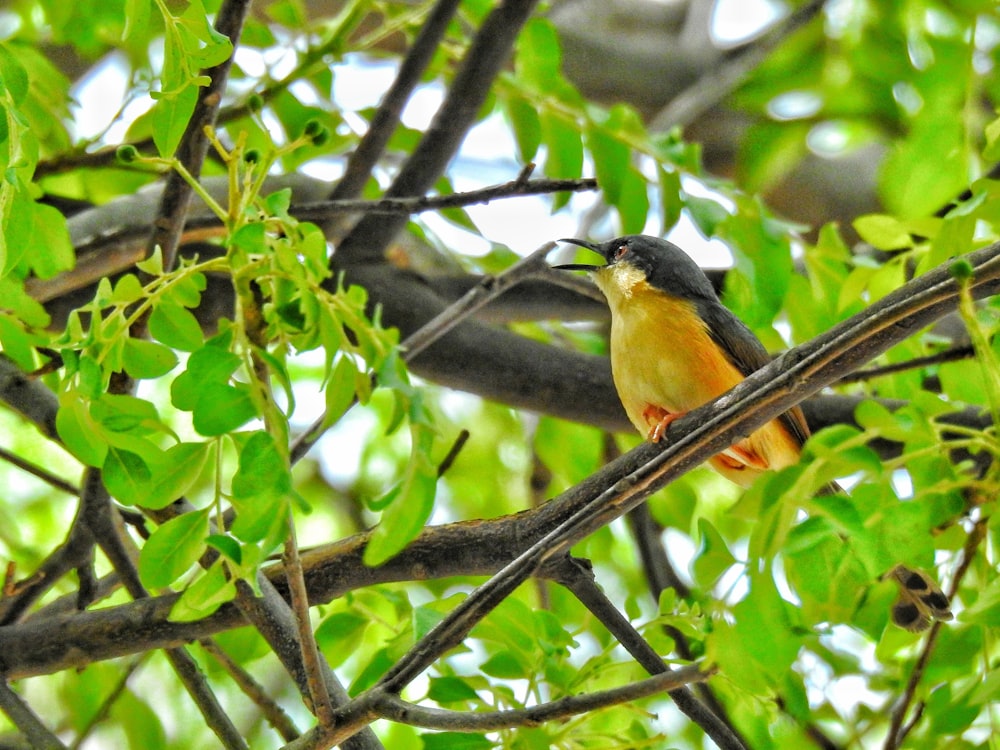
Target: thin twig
<point x="21" y="715"/>
<point x="897" y="732"/>
<point x="311" y="660"/>
<point x="394" y="708"/>
<point x="273" y="713"/>
<point x="37" y="471"/>
<point x="452" y="454"/>
<point x="712" y="719"/>
<point x="955" y="354"/>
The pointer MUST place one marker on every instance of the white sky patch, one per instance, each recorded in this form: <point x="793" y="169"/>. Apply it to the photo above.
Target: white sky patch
<point x="99" y="94"/>
<point x="735" y="21"/>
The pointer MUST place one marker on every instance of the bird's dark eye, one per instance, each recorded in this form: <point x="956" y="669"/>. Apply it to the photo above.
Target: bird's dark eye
<point x="620" y="251"/>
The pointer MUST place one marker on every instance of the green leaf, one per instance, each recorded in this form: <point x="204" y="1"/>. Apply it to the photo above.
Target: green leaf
<point x="17" y="302"/>
<point x="612" y="157"/>
<point x="408" y="505"/>
<point x="141" y="723"/>
<point x="563" y="150"/>
<point x="153" y="265"/>
<point x="339" y="391"/>
<point x="127" y="290"/>
<point x="173" y="548"/>
<point x="221" y="408"/>
<point x="671" y="201"/>
<point x="186" y="291"/>
<point x="78" y="431"/>
<point x="126" y="475"/>
<point x="714" y="557"/>
<point x="633" y="206"/>
<point x="527" y="126"/>
<point x="175" y="474"/>
<point x="377" y="666"/>
<point x="137" y="16"/>
<point x="507" y="665"/>
<point x="122" y="413"/>
<point x="13" y="76"/>
<point x="340" y="634"/>
<point x="176" y="327"/>
<point x="170" y="118"/>
<point x="260" y="517"/>
<point x="262" y="470"/>
<point x="204" y="596"/>
<point x="52" y="250"/>
<point x="213" y="363"/>
<point x="537" y="55"/>
<point x="451" y="690"/>
<point x="227" y="546"/>
<point x="250" y="238"/>
<point x="910" y="183"/>
<point x="883" y="232"/>
<point x="147" y="359"/>
<point x="570" y="451"/>
<point x="706" y="213"/>
<point x="760" y="648"/>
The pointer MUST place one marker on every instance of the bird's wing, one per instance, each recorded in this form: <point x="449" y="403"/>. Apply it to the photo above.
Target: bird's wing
<point x="747" y="354"/>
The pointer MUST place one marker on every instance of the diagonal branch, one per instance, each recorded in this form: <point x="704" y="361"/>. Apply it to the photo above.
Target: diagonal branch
<point x="364" y="158"/>
<point x="715" y="85"/>
<point x="20" y="713"/>
<point x="711" y="719"/>
<point x="392" y="707"/>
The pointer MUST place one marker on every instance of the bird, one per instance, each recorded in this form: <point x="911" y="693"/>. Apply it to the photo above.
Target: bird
<point x="675" y="346"/>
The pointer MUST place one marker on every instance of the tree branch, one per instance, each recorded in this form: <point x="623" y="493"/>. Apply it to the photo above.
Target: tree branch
<point x="716" y="84"/>
<point x="272" y="711"/>
<point x="712" y="720"/>
<point x="394" y="708"/>
<point x="24" y="719"/>
<point x="369" y="150"/>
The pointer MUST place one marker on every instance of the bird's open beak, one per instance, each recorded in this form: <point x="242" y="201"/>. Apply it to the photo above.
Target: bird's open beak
<point x="579" y="266"/>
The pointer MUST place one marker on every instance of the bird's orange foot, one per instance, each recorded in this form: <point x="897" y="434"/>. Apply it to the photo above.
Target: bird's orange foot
<point x="659" y="420"/>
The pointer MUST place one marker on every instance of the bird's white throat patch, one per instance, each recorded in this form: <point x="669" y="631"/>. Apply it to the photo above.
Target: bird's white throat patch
<point x="619" y="280"/>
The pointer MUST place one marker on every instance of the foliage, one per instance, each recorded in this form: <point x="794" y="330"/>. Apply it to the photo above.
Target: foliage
<point x="785" y="592"/>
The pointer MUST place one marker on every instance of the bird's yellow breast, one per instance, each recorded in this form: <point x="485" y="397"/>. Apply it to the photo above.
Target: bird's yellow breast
<point x="661" y="351"/>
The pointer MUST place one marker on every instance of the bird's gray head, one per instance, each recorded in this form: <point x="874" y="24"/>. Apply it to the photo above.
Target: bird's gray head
<point x="664" y="265"/>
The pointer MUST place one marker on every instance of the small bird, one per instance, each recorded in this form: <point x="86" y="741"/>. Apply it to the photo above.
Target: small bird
<point x="674" y="347"/>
